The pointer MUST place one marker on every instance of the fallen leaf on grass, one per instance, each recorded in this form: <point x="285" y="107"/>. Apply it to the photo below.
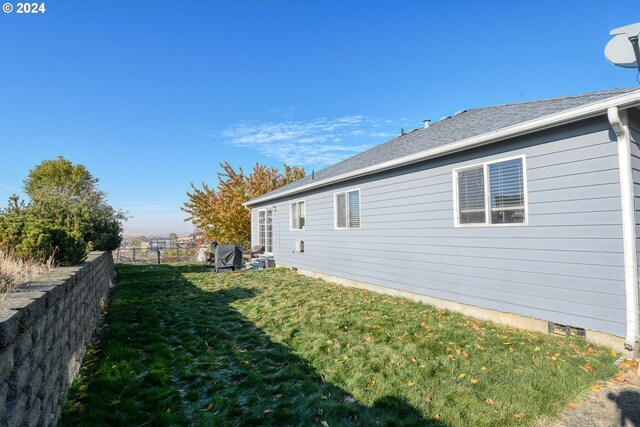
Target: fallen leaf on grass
<point x="484" y="368"/>
<point x="436" y="417"/>
<point x="77" y="406"/>
<point x="520" y="415"/>
<point x="324" y="423"/>
<point x="573" y="405"/>
<point x="489" y="401"/>
<point x="320" y="411"/>
<point x="461" y="376"/>
<point x="596" y="387"/>
<point x="349" y="399"/>
<point x="409" y="383"/>
<point x="268" y="411"/>
<point x="473" y="381"/>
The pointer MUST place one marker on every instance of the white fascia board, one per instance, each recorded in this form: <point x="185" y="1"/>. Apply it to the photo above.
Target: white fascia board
<point x="569" y="116"/>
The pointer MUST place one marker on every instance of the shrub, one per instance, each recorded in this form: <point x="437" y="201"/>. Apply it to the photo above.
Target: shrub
<point x="36" y="239"/>
<point x="66" y="217"/>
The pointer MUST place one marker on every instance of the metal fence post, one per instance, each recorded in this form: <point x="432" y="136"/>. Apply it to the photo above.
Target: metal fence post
<point x="158" y="252"/>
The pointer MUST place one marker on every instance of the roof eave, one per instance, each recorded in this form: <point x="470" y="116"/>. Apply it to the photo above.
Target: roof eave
<point x="569" y="116"/>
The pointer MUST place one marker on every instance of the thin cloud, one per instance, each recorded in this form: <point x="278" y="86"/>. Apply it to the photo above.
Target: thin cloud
<point x="313" y="143"/>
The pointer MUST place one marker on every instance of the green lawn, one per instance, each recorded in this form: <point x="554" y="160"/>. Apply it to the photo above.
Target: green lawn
<point x="184" y="346"/>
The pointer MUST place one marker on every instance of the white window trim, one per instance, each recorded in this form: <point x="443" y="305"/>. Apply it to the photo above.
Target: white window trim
<point x="291" y="216"/>
<point x="265" y="229"/>
<point x="487" y="194"/>
<point x="335" y="209"/>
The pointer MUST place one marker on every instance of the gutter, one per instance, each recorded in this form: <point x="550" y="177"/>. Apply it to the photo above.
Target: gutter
<point x="565" y="117"/>
<point x="620" y="124"/>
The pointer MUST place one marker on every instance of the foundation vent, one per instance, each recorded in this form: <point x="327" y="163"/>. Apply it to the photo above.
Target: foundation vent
<point x="566" y="330"/>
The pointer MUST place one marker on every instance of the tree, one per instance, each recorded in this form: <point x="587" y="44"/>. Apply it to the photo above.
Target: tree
<point x="219" y="215"/>
<point x="68" y="195"/>
<point x="67" y="215"/>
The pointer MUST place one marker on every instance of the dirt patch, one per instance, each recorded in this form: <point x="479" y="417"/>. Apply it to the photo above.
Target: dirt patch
<point x="616" y="403"/>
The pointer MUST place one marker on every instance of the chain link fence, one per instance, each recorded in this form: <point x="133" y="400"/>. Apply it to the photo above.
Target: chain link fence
<point x="126" y="255"/>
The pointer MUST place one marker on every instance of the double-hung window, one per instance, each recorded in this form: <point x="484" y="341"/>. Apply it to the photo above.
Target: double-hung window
<point x="297" y="211"/>
<point x="491" y="193"/>
<point x="347" y="209"/>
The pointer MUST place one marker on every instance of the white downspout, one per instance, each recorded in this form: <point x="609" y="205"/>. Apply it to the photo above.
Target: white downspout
<point x="619" y="123"/>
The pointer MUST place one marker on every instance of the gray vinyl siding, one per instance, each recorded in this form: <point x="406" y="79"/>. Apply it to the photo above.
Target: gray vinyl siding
<point x="634" y="126"/>
<point x="566" y="265"/>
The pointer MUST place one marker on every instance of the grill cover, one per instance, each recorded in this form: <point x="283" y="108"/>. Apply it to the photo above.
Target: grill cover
<point x="228" y="256"/>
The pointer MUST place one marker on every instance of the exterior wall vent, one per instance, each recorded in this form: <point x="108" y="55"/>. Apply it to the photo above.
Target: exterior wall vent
<point x="566" y="330"/>
<point x="300" y="246"/>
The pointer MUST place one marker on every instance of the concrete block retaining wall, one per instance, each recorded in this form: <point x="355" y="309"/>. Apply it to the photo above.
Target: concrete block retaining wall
<point x="44" y="330"/>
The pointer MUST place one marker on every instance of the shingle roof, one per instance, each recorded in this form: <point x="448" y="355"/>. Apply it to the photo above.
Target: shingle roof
<point x="463" y="125"/>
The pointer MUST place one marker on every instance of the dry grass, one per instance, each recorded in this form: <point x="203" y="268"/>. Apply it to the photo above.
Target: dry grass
<point x="15" y="271"/>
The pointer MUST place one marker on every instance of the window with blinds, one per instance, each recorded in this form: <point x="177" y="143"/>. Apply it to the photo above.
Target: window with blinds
<point x="506" y="186"/>
<point x="471" y="196"/>
<point x="354" y="209"/>
<point x="298" y="215"/>
<point x="491" y="193"/>
<point x="347" y="209"/>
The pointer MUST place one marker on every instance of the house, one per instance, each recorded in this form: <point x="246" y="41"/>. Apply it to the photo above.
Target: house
<point x="523" y="213"/>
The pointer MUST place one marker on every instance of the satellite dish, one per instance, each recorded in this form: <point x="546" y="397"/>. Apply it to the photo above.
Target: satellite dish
<point x="623" y="49"/>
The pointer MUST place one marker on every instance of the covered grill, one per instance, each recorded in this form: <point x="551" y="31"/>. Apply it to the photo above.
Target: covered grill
<point x="228" y="258"/>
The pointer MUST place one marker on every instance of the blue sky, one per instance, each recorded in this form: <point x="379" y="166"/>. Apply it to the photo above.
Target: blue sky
<point x="151" y="95"/>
